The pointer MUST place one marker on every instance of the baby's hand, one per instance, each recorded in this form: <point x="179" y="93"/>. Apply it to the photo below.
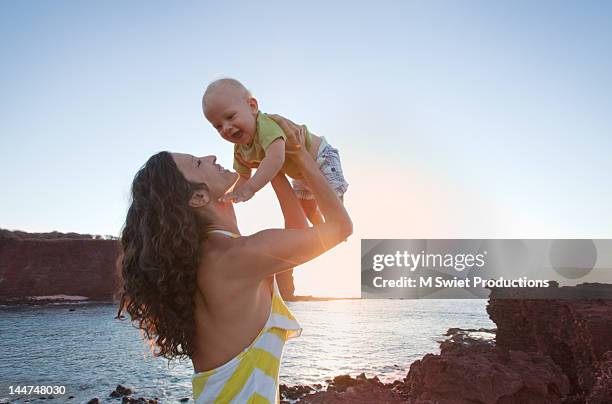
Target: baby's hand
<point x="241" y="194"/>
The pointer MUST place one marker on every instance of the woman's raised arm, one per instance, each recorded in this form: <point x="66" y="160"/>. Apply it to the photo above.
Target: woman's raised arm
<point x="290" y="206"/>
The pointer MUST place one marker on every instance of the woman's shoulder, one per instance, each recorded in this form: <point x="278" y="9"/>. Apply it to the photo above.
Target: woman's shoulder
<point x="224" y="255"/>
<point x="256" y="256"/>
<point x="225" y="268"/>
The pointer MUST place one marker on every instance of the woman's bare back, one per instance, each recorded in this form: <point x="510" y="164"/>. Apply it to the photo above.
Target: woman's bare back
<point x="230" y="311"/>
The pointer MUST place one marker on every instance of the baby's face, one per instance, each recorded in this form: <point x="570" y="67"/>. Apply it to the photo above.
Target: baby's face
<point x="233" y="114"/>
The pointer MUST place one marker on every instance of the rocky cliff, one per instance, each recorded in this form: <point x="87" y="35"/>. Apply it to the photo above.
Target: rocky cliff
<point x="40" y="266"/>
<point x="575" y="333"/>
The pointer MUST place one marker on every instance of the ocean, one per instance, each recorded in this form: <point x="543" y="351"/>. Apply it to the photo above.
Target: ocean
<point x="82" y="347"/>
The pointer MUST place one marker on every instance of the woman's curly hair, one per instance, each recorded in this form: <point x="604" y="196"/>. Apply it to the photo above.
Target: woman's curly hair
<point x="160" y="251"/>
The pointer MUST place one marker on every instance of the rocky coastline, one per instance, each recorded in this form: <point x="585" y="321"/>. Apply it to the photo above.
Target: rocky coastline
<point x="545" y="351"/>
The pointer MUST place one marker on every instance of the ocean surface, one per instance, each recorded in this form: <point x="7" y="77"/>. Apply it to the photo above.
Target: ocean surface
<point x="89" y="352"/>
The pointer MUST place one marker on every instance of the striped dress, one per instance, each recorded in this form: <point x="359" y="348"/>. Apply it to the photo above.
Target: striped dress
<point x="251" y="376"/>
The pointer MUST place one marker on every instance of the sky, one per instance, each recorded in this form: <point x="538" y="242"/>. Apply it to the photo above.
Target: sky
<point x="454" y="119"/>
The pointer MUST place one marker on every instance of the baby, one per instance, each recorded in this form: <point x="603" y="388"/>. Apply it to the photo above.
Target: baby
<point x="260" y="142"/>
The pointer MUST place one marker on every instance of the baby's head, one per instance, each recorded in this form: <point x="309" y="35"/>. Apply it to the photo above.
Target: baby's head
<point x="231" y="109"/>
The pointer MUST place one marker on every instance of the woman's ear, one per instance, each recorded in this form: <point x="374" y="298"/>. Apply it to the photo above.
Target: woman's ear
<point x="199" y="198"/>
<point x="253" y="105"/>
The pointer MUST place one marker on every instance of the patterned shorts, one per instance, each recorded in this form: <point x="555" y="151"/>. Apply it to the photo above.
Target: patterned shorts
<point x="328" y="160"/>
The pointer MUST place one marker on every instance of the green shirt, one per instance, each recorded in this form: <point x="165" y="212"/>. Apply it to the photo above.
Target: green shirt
<point x="267" y="132"/>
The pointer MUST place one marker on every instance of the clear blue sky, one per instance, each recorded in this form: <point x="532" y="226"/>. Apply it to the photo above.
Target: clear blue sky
<point x="453" y="119"/>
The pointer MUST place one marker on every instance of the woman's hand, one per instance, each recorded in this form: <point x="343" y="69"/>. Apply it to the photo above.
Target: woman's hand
<point x="296" y="134"/>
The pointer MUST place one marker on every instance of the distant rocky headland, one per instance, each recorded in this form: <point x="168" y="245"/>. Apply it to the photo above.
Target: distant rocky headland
<point x="38" y="268"/>
<point x="55" y="264"/>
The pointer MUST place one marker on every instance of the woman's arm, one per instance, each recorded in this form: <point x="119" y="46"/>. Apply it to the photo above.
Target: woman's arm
<point x="272" y="251"/>
<point x="327" y="199"/>
<point x="290" y="206"/>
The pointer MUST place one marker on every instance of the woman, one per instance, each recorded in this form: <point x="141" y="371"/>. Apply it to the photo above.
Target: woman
<point x="200" y="290"/>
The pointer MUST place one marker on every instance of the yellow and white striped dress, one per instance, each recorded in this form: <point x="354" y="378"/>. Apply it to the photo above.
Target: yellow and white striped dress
<point x="251" y="376"/>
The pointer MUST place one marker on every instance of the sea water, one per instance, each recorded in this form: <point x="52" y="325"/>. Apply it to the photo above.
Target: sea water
<point x="82" y="346"/>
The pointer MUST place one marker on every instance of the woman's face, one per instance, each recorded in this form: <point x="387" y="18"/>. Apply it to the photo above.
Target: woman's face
<point x="206" y="170"/>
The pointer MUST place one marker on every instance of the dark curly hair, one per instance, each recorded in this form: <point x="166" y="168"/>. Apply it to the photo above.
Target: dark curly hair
<point x="160" y="244"/>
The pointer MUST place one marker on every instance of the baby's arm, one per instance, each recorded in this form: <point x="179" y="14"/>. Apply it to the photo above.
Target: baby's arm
<point x="242" y="180"/>
<point x="244" y="169"/>
<point x="267" y="170"/>
<point x="269" y="166"/>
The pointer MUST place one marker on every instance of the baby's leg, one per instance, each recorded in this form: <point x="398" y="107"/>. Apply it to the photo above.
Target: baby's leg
<point x="312" y="211"/>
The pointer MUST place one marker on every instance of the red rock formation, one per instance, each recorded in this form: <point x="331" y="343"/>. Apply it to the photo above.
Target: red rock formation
<point x="602" y="389"/>
<point x="478" y="372"/>
<point x="546" y="351"/>
<point x="359" y="394"/>
<point x="39" y="267"/>
<point x="345" y="389"/>
<point x="576" y="334"/>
